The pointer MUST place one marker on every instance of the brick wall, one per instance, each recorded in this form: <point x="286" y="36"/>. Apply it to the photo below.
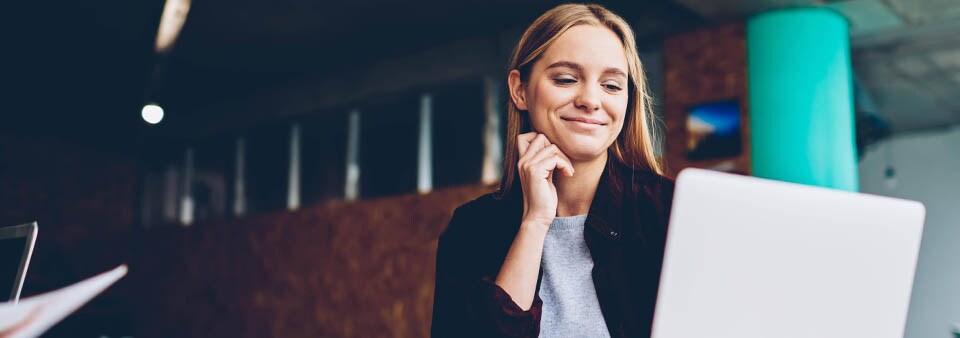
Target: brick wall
<point x="363" y="269"/>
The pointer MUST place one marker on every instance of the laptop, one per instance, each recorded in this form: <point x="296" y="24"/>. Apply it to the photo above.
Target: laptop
<point x="16" y="248"/>
<point x="756" y="258"/>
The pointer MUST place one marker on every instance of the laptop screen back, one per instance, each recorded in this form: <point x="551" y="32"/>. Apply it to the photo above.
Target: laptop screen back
<point x="749" y="258"/>
<point x="12" y="251"/>
<point x="16" y="247"/>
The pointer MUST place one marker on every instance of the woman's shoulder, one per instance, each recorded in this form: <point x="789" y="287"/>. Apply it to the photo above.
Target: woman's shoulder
<point x="656" y="179"/>
<point x="648" y="181"/>
<point x="488" y="214"/>
<point x="664" y="184"/>
<point x="484" y="203"/>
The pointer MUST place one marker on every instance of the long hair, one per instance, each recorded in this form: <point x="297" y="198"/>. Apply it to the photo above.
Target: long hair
<point x="634" y="145"/>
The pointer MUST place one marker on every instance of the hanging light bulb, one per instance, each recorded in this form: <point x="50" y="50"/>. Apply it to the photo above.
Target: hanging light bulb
<point x="152" y="113"/>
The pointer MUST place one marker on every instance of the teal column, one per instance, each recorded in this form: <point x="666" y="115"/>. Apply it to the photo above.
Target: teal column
<point x="801" y="98"/>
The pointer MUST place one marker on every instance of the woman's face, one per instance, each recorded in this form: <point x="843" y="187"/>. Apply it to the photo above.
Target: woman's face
<point x="577" y="91"/>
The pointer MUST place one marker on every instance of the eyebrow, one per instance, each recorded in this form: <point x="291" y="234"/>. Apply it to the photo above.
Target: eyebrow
<point x="568" y="64"/>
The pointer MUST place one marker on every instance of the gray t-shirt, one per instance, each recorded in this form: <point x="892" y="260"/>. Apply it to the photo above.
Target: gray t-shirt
<point x="570" y="306"/>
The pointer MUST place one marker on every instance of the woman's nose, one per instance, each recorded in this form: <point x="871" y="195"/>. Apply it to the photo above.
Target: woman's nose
<point x="588" y="99"/>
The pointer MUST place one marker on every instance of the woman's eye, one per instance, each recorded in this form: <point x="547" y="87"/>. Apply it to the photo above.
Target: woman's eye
<point x="612" y="87"/>
<point x="564" y="81"/>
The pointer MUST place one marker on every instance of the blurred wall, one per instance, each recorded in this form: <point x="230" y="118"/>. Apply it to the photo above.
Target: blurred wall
<point x="363" y="269"/>
<point x="927" y="166"/>
<point x="704" y="66"/>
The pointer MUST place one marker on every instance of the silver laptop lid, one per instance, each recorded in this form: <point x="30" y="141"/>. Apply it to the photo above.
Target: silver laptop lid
<point x="751" y="258"/>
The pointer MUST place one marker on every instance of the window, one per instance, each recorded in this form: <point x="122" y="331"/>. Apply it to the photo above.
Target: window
<point x="388" y="146"/>
<point x="323" y="156"/>
<point x="266" y="168"/>
<point x="458" y="124"/>
<point x="213" y="163"/>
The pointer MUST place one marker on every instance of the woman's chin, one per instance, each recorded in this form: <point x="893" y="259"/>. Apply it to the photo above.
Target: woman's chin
<point x="583" y="153"/>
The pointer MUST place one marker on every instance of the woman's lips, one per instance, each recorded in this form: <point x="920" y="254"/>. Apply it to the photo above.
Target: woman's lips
<point x="584" y="122"/>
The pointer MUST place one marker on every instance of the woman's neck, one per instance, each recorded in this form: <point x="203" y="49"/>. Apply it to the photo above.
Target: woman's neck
<point x="574" y="194"/>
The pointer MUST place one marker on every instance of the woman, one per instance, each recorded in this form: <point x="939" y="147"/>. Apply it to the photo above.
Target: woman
<point x="576" y="250"/>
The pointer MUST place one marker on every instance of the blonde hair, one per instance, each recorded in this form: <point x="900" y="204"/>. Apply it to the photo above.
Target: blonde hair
<point x="634" y="145"/>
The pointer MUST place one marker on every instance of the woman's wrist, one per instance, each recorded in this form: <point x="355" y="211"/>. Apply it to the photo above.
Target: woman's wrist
<point x="537" y="225"/>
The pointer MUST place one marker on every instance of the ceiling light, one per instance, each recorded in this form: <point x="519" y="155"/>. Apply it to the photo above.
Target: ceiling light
<point x="152" y="113"/>
<point x="171" y="21"/>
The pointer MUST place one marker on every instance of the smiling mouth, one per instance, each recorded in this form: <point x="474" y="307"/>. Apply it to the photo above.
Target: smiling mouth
<point x="583" y="120"/>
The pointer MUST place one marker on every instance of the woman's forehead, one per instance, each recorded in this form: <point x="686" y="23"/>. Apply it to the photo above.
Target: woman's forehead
<point x="591" y="47"/>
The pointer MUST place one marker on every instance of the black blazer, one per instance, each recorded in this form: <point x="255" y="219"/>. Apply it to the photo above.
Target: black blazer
<point x="625" y="232"/>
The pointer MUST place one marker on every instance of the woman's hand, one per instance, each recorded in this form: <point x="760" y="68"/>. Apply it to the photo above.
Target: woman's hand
<point x="538" y="160"/>
<point x="520" y="270"/>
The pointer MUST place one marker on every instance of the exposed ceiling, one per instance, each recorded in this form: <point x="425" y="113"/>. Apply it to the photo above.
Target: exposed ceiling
<point x="276" y="41"/>
<point x="292" y="35"/>
<point x="906" y="53"/>
<point x="913" y="70"/>
<point x="81" y="68"/>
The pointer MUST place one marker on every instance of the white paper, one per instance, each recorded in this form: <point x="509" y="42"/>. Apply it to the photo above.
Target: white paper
<point x="35" y="315"/>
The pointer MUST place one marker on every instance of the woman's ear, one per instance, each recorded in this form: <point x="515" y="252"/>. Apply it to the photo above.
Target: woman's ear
<point x="516" y="90"/>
